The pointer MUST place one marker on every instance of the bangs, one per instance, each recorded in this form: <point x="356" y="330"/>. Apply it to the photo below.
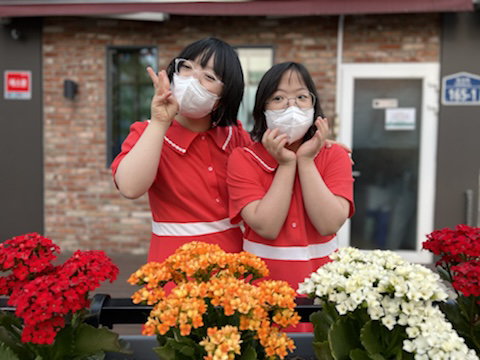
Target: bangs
<point x="296" y="72"/>
<point x="204" y="50"/>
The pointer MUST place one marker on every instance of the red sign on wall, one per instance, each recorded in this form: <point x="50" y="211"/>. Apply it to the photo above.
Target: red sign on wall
<point x="18" y="85"/>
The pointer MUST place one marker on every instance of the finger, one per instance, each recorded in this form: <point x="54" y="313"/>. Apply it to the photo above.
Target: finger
<point x="322" y="124"/>
<point x="265" y="136"/>
<point x="273" y="133"/>
<point x="279" y="138"/>
<point x="165" y="83"/>
<point x="161" y="98"/>
<point x="281" y="144"/>
<point x="320" y="136"/>
<point x="153" y="76"/>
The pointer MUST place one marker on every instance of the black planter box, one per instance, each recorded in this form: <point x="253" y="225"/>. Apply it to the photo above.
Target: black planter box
<point x="142" y="347"/>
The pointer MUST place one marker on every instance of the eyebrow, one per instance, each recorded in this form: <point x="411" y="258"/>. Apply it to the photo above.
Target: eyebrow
<point x="298" y="89"/>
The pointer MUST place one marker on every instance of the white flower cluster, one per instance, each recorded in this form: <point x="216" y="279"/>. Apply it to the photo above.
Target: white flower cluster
<point x="394" y="292"/>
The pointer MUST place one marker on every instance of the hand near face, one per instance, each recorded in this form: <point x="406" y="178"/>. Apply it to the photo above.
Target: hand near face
<point x="275" y="145"/>
<point x="309" y="149"/>
<point x="164" y="105"/>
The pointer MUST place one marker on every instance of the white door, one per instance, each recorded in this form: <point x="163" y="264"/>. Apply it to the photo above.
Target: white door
<point x="388" y="117"/>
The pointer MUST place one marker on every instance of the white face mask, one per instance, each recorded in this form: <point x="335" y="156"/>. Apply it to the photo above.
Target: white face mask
<point x="194" y="101"/>
<point x="294" y="122"/>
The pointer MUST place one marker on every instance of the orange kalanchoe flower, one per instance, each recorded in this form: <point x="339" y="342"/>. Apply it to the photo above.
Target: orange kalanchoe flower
<point x="222" y="344"/>
<point x="212" y="288"/>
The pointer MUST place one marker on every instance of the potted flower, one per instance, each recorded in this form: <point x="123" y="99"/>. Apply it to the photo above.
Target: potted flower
<point x="51" y="302"/>
<point x="459" y="264"/>
<point x="375" y="305"/>
<point x="217" y="308"/>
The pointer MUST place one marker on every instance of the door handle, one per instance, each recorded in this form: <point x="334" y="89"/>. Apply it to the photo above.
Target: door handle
<point x="356" y="173"/>
<point x="469" y="207"/>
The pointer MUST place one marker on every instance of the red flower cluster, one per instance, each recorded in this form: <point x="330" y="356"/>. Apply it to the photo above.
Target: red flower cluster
<point x="467" y="278"/>
<point x="454" y="246"/>
<point x="46" y="295"/>
<point x="26" y="256"/>
<point x="459" y="252"/>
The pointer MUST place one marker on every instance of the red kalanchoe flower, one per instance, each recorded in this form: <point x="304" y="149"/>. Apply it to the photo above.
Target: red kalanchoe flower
<point x="454" y="246"/>
<point x="27" y="256"/>
<point x="467" y="278"/>
<point x="43" y="295"/>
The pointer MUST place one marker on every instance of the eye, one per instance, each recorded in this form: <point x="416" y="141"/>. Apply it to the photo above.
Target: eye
<point x="185" y="65"/>
<point x="277" y="98"/>
<point x="209" y="77"/>
<point x="303" y="97"/>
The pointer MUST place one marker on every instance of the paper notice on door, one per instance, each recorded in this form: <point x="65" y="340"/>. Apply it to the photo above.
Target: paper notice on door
<point x="400" y="119"/>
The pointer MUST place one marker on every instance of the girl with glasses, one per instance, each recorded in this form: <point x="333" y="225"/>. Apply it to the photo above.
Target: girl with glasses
<point x="180" y="155"/>
<point x="292" y="192"/>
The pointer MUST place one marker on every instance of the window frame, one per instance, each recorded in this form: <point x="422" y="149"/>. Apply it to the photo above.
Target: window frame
<point x="109" y="91"/>
<point x="255" y="46"/>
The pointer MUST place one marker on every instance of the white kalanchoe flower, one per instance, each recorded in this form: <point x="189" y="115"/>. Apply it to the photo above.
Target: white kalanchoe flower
<point x="394" y="292"/>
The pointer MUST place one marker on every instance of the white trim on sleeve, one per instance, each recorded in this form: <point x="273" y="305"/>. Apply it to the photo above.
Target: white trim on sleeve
<point x="296" y="253"/>
<point x="192" y="228"/>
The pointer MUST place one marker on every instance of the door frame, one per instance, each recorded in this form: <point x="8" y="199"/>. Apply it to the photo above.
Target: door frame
<point x="429" y="74"/>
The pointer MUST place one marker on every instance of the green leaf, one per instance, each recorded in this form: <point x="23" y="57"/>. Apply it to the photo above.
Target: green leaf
<point x="453" y="314"/>
<point x="63" y="345"/>
<point x="248" y="354"/>
<point x="165" y="352"/>
<point x="98" y="356"/>
<point x="444" y="274"/>
<point x="8" y="320"/>
<point x="90" y="340"/>
<point x="359" y="354"/>
<point x="370" y="339"/>
<point x="321" y="324"/>
<point x="186" y="349"/>
<point x="403" y="355"/>
<point x="343" y="337"/>
<point x="393" y="340"/>
<point x="322" y="350"/>
<point x="15" y="344"/>
<point x="7" y="354"/>
<point x="185" y="345"/>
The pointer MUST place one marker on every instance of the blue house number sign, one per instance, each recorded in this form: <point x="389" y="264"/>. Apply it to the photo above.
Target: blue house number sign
<point x="461" y="88"/>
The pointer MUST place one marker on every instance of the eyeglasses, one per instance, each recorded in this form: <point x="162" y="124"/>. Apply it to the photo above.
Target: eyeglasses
<point x="184" y="67"/>
<point x="303" y="100"/>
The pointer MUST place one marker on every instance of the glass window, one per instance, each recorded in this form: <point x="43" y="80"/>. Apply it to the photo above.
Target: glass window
<point x="130" y="91"/>
<point x="255" y="62"/>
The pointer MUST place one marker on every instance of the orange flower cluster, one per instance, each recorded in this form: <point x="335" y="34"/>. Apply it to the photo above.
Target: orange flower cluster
<point x="153" y="276"/>
<point x="222" y="344"/>
<point x="276" y="343"/>
<point x="208" y="278"/>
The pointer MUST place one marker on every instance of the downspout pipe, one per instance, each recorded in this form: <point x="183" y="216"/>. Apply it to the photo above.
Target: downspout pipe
<point x="338" y="90"/>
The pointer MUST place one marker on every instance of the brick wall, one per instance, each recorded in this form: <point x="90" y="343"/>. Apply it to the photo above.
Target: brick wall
<point x="82" y="207"/>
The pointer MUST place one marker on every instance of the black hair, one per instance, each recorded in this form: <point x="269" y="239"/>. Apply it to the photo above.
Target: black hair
<point x="269" y="84"/>
<point x="227" y="66"/>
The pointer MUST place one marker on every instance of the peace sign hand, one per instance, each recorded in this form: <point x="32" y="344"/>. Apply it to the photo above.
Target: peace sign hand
<point x="164" y="105"/>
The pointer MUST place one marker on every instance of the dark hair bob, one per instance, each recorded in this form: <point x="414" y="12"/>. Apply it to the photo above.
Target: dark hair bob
<point x="269" y="84"/>
<point x="227" y="67"/>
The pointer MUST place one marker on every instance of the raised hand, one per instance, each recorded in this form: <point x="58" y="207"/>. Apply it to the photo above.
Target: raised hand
<point x="275" y="145"/>
<point x="164" y="105"/>
<point x="309" y="149"/>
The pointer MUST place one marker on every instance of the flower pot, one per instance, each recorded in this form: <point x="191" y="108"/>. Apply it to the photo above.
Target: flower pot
<point x="142" y="347"/>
